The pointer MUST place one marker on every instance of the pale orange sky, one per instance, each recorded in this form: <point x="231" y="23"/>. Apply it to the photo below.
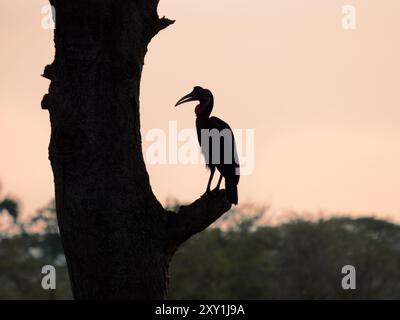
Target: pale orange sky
<point x="324" y="102"/>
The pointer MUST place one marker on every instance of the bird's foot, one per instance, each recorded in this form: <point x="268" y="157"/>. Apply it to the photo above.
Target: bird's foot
<point x="215" y="191"/>
<point x="207" y="193"/>
<point x="211" y="193"/>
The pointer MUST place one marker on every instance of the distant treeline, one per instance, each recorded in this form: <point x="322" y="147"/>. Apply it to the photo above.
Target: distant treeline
<point x="236" y="259"/>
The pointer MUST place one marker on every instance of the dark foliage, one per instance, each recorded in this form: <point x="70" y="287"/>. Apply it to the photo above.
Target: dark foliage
<point x="238" y="259"/>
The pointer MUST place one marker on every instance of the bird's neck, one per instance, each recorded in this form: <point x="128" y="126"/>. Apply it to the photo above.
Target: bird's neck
<point x="204" y="109"/>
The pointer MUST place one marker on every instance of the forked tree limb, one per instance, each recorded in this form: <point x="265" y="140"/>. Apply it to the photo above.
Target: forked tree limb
<point x="196" y="217"/>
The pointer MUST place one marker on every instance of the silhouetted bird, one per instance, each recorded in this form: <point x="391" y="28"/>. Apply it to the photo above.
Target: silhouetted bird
<point x="217" y="143"/>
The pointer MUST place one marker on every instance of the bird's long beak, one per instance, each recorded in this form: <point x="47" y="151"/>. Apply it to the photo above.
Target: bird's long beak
<point x="187" y="98"/>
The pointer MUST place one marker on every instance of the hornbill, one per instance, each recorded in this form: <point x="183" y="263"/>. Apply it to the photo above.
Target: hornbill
<point x="216" y="141"/>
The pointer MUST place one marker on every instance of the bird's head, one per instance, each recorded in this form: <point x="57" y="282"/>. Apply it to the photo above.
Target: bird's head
<point x="204" y="96"/>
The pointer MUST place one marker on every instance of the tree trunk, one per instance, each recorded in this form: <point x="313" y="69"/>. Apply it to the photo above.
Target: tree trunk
<point x="118" y="239"/>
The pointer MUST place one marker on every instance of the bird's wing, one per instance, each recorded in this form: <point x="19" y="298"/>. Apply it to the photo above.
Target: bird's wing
<point x="222" y="125"/>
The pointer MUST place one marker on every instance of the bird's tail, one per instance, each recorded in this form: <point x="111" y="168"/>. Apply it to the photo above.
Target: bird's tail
<point x="231" y="191"/>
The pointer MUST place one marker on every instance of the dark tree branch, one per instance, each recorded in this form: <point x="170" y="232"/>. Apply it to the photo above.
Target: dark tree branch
<point x="196" y="217"/>
<point x="48" y="72"/>
<point x="164" y="23"/>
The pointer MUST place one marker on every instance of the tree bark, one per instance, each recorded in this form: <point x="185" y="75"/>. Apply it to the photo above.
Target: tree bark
<point x="118" y="239"/>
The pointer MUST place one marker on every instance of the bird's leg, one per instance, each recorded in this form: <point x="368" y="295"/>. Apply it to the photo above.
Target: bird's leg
<point x="208" y="191"/>
<point x="219" y="183"/>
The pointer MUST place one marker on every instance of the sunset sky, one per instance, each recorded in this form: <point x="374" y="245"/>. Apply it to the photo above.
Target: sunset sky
<point x="324" y="103"/>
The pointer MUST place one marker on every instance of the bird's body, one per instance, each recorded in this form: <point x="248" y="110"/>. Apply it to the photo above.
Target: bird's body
<point x="217" y="143"/>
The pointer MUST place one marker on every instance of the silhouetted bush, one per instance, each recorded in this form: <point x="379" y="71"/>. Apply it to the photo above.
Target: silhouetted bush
<point x="236" y="259"/>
